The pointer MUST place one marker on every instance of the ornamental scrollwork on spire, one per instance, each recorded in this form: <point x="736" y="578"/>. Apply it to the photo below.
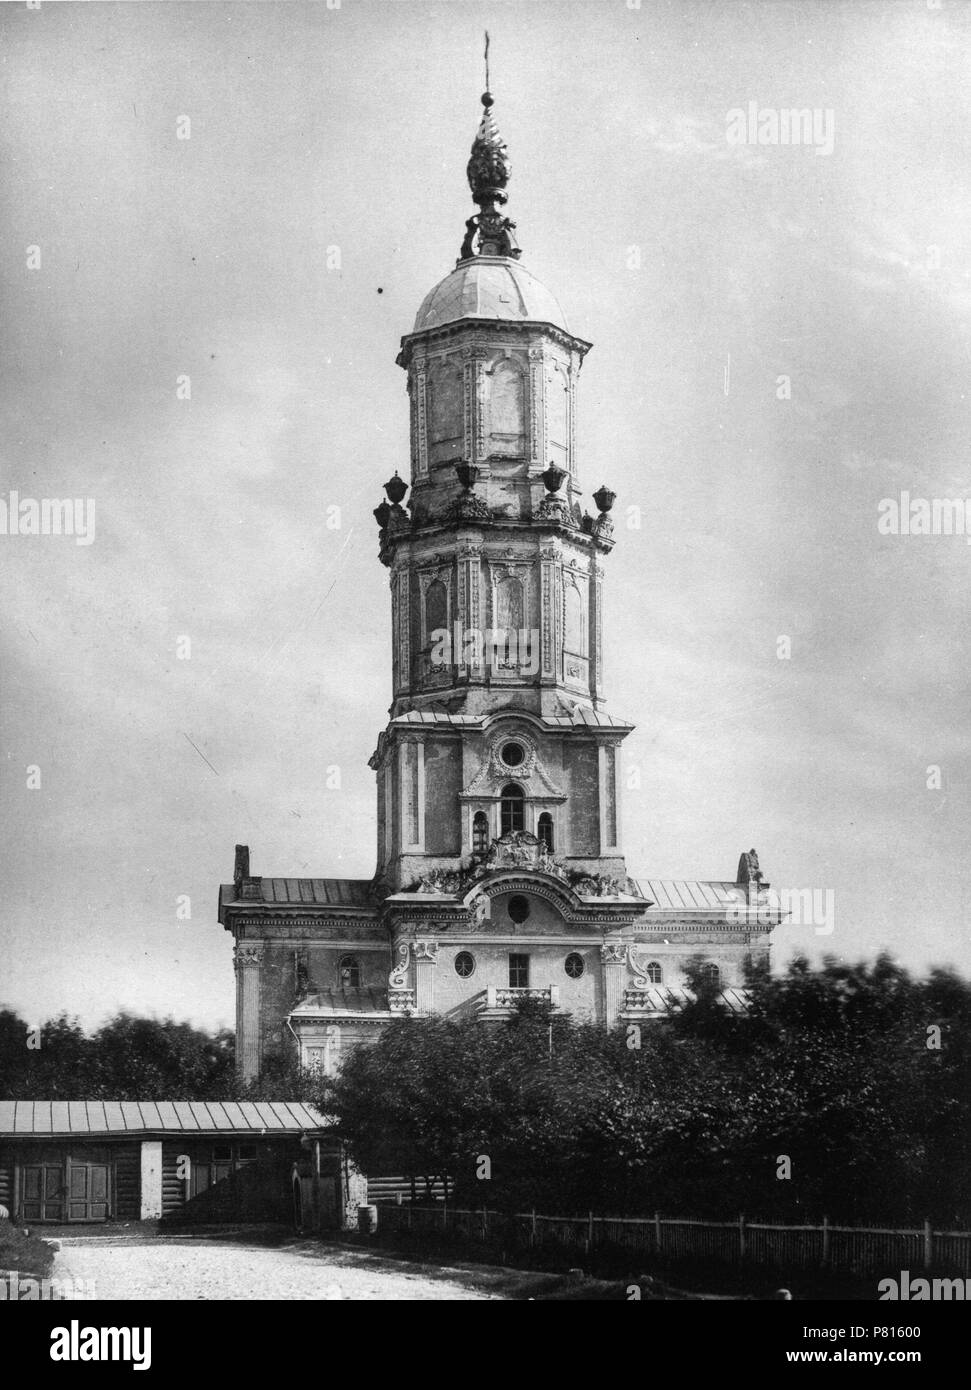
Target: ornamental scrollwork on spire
<point x="488" y="232"/>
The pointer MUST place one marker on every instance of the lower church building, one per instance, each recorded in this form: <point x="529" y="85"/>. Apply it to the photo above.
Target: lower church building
<point x="500" y="868"/>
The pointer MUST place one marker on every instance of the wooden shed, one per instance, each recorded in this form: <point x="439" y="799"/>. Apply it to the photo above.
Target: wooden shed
<point x="95" y="1161"/>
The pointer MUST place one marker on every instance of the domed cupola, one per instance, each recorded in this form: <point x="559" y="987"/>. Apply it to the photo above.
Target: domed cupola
<point x="489" y="287"/>
<point x="492" y="369"/>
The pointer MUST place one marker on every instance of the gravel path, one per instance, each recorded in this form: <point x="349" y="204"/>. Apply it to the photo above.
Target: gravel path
<point x="202" y="1269"/>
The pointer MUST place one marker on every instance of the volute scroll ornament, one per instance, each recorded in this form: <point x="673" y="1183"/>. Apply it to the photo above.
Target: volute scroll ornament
<point x="398" y="978"/>
<point x="638" y="969"/>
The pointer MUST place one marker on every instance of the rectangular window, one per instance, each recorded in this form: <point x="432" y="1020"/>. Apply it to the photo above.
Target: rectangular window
<point x="519" y="972"/>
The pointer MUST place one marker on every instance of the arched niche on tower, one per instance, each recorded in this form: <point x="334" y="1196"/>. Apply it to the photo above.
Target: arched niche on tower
<point x="435" y="614"/>
<point x="574" y="614"/>
<point x="505" y="389"/>
<point x="510" y="603"/>
<point x="511" y="619"/>
<point x="445" y="404"/>
<point x="558" y="406"/>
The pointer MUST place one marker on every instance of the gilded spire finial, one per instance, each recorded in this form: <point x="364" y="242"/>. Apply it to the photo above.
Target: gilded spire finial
<point x="488" y="233"/>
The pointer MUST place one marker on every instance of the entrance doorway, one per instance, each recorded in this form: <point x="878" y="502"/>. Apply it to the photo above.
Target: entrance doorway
<point x="87" y="1186"/>
<point x="43" y="1191"/>
<point x="66" y="1186"/>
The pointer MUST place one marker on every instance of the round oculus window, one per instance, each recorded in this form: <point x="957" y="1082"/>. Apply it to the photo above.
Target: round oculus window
<point x="464" y="964"/>
<point x="573" y="965"/>
<point x="513" y="754"/>
<point x="518" y="909"/>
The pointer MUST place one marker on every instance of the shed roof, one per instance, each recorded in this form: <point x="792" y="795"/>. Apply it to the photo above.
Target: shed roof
<point x="342" y="1003"/>
<point x="662" y="999"/>
<point x="595" y="719"/>
<point x="690" y="896"/>
<point x="59" y="1118"/>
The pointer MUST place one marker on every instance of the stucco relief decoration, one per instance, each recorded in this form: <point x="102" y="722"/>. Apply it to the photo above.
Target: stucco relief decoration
<point x="521" y="850"/>
<point x="447" y="882"/>
<point x="601" y="886"/>
<point x="524" y="769"/>
<point x="494" y="770"/>
<point x="426" y="951"/>
<point x="247" y="955"/>
<point x="613" y="953"/>
<point x="517" y="850"/>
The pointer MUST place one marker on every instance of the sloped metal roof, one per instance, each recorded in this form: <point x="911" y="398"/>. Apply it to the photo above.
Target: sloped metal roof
<point x="680" y="895"/>
<point x="663" y="999"/>
<point x="690" y="896"/>
<point x="596" y="719"/>
<point x="60" y="1118"/>
<point x="327" y="892"/>
<point x="304" y="892"/>
<point x="342" y="1003"/>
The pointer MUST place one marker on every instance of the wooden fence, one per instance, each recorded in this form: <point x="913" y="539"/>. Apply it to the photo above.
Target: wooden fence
<point x="849" y="1249"/>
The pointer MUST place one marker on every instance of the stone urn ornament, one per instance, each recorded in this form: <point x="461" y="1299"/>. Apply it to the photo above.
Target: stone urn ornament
<point x="553" y="478"/>
<point x="467" y="474"/>
<point x="396" y="488"/>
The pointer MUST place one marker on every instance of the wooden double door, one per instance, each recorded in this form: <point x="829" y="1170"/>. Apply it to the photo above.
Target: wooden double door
<point x="72" y="1185"/>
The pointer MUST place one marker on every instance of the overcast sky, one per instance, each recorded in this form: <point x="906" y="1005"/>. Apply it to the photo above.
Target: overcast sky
<point x="312" y="128"/>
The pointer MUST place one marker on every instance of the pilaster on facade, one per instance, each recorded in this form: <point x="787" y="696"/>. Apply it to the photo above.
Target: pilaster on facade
<point x="401" y="627"/>
<point x="596" y="632"/>
<point x="537" y="408"/>
<point x="419" y="417"/>
<point x="411" y="801"/>
<point x="425" y="961"/>
<point x="247" y="962"/>
<point x="613" y="957"/>
<point x="549" y="633"/>
<point x="609" y="776"/>
<point x="469" y="656"/>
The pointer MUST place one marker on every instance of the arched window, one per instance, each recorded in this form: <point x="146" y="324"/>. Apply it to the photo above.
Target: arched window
<point x="654" y="973"/>
<point x="544" y="831"/>
<point x="710" y="974"/>
<point x="349" y="973"/>
<point x="512" y="809"/>
<point x="480" y="832"/>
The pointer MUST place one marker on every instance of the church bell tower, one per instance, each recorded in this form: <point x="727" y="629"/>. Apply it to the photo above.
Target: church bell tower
<point x="497" y="724"/>
<point x="500" y="870"/>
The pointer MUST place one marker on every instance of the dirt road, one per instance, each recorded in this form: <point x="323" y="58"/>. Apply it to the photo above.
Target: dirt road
<point x="196" y="1269"/>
